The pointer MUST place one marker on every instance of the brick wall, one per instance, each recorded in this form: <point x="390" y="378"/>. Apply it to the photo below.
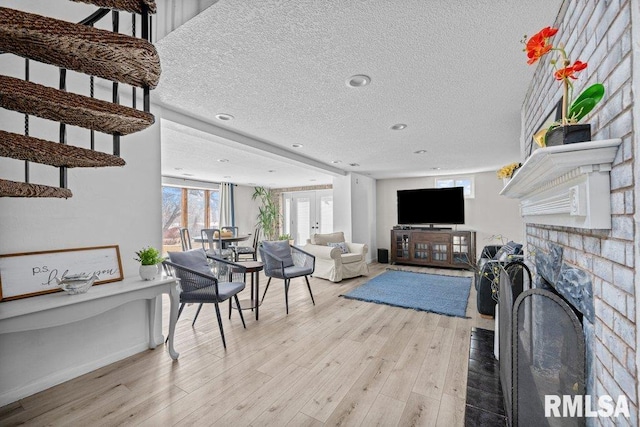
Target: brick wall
<point x="600" y="33"/>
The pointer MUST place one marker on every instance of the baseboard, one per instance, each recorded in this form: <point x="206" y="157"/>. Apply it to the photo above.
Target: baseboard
<point x="49" y="381"/>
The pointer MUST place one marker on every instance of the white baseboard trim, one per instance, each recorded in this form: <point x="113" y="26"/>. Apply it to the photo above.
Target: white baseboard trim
<point x="49" y="381"/>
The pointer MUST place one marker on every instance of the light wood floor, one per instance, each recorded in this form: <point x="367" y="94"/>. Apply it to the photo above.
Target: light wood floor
<point x="342" y="362"/>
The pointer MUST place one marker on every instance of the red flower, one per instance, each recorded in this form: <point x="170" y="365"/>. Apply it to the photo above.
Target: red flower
<point x="537" y="45"/>
<point x="568" y="72"/>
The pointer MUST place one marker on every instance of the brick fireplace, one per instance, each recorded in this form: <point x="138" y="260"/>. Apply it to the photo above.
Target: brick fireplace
<point x="601" y="34"/>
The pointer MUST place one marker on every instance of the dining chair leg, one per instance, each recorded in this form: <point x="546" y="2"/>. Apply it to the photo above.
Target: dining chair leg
<point x="286" y="294"/>
<point x="265" y="289"/>
<point x="309" y="287"/>
<point x="229" y="308"/>
<point x="196" y="316"/>
<point x="224" y="343"/>
<point x="239" y="310"/>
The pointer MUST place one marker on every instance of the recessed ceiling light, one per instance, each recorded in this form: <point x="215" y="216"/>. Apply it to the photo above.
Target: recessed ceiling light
<point x="312" y="180"/>
<point x="227" y="176"/>
<point x="358" y="80"/>
<point x="436" y="169"/>
<point x="353" y="164"/>
<point x="335" y="162"/>
<point x="187" y="174"/>
<point x="178" y="169"/>
<point x="251" y="183"/>
<point x="399" y="126"/>
<point x="296" y="145"/>
<point x="420" y="152"/>
<point x="223" y="160"/>
<point x="271" y="171"/>
<point x="224" y="117"/>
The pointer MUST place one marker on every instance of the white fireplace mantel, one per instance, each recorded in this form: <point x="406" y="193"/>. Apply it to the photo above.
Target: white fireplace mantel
<point x="566" y="185"/>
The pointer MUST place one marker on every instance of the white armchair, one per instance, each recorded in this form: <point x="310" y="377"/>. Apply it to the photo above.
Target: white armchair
<point x="331" y="263"/>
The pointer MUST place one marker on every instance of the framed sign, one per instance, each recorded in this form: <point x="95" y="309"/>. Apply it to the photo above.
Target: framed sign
<point x="34" y="273"/>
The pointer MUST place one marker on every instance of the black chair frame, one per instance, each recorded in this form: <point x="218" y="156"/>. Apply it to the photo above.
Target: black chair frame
<point x="233" y="268"/>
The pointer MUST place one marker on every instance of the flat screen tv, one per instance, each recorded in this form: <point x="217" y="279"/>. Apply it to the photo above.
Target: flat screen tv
<point x="431" y="206"/>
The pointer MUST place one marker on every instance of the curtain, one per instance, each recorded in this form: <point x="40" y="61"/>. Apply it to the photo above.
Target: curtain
<point x="226" y="205"/>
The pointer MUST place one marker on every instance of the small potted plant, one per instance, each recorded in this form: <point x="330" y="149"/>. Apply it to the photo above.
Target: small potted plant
<point x="149" y="259"/>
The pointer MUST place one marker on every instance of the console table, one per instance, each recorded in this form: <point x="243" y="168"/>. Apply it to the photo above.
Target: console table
<point x="55" y="309"/>
<point x="52" y="338"/>
<point x="434" y="248"/>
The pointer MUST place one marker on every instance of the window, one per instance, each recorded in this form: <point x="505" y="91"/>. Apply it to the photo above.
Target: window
<point x="466" y="183"/>
<point x="171" y="218"/>
<point x="192" y="208"/>
<point x="195" y="211"/>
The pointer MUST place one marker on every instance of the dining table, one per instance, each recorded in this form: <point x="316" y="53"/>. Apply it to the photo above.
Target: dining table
<point x="225" y="240"/>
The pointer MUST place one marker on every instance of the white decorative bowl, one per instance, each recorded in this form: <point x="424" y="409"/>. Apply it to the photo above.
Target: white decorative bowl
<point x="76" y="283"/>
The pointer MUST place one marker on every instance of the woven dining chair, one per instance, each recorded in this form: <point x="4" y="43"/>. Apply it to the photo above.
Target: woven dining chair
<point x="286" y="262"/>
<point x="205" y="280"/>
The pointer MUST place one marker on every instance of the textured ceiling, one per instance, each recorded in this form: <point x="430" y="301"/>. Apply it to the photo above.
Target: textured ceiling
<point x="453" y="71"/>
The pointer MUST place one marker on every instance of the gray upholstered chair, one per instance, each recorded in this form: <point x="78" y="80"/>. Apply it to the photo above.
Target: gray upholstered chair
<point x="286" y="262"/>
<point x="206" y="279"/>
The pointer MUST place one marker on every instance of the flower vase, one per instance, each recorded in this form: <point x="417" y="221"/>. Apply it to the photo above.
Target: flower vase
<point x="149" y="272"/>
<point x="568" y="134"/>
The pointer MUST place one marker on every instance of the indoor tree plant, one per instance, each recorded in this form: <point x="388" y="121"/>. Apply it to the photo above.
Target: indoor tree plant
<point x="149" y="259"/>
<point x="567" y="130"/>
<point x="268" y="213"/>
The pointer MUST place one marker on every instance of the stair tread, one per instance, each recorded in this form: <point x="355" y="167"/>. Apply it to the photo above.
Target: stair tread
<point x="38" y="150"/>
<point x="134" y="6"/>
<point x="70" y="108"/>
<point x="24" y="189"/>
<point x="113" y="56"/>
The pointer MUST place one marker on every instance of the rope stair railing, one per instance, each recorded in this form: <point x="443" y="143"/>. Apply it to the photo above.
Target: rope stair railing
<point x="83" y="48"/>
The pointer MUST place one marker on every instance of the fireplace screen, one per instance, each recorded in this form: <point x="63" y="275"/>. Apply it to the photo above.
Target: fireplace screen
<point x="512" y="282"/>
<point x="548" y="359"/>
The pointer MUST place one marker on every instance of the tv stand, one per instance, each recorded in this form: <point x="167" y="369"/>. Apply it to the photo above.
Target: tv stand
<point x="433" y="247"/>
<point x="430" y="227"/>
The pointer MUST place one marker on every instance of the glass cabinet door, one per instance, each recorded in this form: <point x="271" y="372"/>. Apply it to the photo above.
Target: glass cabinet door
<point x="460" y="249"/>
<point x="402" y="246"/>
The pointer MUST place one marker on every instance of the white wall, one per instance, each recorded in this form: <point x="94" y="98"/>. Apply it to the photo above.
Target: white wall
<point x="110" y="206"/>
<point x="363" y="211"/>
<point x="487" y="214"/>
<point x="246" y="210"/>
<point x="354" y="210"/>
<point x="342" y="205"/>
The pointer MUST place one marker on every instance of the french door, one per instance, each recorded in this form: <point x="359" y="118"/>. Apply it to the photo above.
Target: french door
<point x="306" y="213"/>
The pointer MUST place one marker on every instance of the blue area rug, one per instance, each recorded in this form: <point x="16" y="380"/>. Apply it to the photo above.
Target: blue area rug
<point x="420" y="291"/>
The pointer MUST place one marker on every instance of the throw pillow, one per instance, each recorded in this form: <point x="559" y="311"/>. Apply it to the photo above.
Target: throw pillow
<point x="323" y="239"/>
<point x="511" y="248"/>
<point x="195" y="259"/>
<point x="280" y="249"/>
<point x="342" y="245"/>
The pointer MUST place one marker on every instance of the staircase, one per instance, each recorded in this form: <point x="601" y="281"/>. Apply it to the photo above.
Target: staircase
<point x="79" y="47"/>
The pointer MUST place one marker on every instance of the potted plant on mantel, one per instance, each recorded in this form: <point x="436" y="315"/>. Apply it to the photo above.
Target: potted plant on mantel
<point x="268" y="213"/>
<point x="567" y="130"/>
<point x="149" y="259"/>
